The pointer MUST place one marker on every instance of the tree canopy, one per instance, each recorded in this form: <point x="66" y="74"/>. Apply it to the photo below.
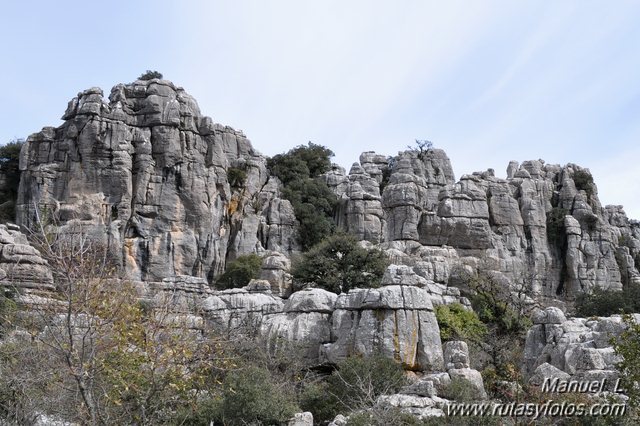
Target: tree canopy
<point x="339" y="263"/>
<point x="312" y="200"/>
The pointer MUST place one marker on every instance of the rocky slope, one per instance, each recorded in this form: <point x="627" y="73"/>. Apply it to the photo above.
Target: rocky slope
<point x="159" y="183"/>
<point x="149" y="174"/>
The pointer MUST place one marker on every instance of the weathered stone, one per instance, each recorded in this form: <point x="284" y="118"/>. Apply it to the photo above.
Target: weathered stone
<point x="547" y="372"/>
<point x="472" y="376"/>
<point x="550" y="315"/>
<point x="311" y="300"/>
<point x="150" y="174"/>
<point x="301" y="419"/>
<point x="456" y="355"/>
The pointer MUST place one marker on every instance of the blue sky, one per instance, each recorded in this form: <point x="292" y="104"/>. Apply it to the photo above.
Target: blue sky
<point x="488" y="81"/>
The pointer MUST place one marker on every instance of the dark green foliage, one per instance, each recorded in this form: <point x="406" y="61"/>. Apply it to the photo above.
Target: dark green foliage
<point x="458" y="323"/>
<point x="301" y="162"/>
<point x="202" y="414"/>
<point x="386" y="173"/>
<point x="312" y="200"/>
<point x="355" y="384"/>
<point x="9" y="169"/>
<point x="600" y="302"/>
<point x="555" y="225"/>
<point x="461" y="390"/>
<point x="314" y="226"/>
<point x="496" y="306"/>
<point x="627" y="345"/>
<point x="240" y="272"/>
<point x="358" y="382"/>
<point x="252" y="396"/>
<point x="150" y="75"/>
<point x="318" y="399"/>
<point x="236" y="176"/>
<point x="339" y="264"/>
<point x="583" y="181"/>
<point x="383" y="417"/>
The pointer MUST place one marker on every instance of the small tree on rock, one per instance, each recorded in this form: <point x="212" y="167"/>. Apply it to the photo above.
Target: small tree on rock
<point x="339" y="264"/>
<point x="150" y="75"/>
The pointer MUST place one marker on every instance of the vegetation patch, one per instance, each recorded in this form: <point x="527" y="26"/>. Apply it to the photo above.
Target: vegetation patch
<point x="583" y="181"/>
<point x="458" y="323"/>
<point x="237" y="177"/>
<point x="240" y="272"/>
<point x="150" y="75"/>
<point x="312" y="200"/>
<point x="604" y="302"/>
<point x="9" y="168"/>
<point x="339" y="264"/>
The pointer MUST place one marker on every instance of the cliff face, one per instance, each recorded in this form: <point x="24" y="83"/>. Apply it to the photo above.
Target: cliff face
<point x="159" y="182"/>
<point x="150" y="173"/>
<point x="543" y="227"/>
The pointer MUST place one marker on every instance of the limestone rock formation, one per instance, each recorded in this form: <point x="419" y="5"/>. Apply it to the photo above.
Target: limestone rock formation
<point x="21" y="266"/>
<point x="147" y="171"/>
<point x="575" y="348"/>
<point x="175" y="194"/>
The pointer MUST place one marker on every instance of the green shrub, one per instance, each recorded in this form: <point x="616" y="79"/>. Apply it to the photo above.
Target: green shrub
<point x="150" y="75"/>
<point x="358" y="382"/>
<point x="355" y="384"/>
<point x="312" y="200"/>
<point x="460" y="390"/>
<point x="458" y="323"/>
<point x="252" y="396"/>
<point x="318" y="399"/>
<point x="555" y="225"/>
<point x="202" y="413"/>
<point x="9" y="167"/>
<point x="603" y="302"/>
<point x="301" y="162"/>
<point x="583" y="181"/>
<point x="383" y="417"/>
<point x="627" y="346"/>
<point x="240" y="272"/>
<point x="236" y="176"/>
<point x="339" y="264"/>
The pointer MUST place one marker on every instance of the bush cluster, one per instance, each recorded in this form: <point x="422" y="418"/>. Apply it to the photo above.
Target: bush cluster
<point x="458" y="323"/>
<point x="583" y="181"/>
<point x="603" y="302"/>
<point x="356" y="384"/>
<point x="150" y="75"/>
<point x="237" y="176"/>
<point x="240" y="272"/>
<point x="312" y="200"/>
<point x="555" y="225"/>
<point x="9" y="167"/>
<point x="339" y="263"/>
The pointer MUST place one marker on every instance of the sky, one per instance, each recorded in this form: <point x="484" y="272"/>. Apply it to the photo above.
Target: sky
<point x="487" y="81"/>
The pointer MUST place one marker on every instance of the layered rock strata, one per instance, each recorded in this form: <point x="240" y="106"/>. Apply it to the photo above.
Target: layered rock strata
<point x="572" y="349"/>
<point x="171" y="191"/>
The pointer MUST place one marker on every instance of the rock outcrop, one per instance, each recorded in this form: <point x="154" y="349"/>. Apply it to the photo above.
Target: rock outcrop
<point x="21" y="266"/>
<point x="572" y="349"/>
<point x="175" y="194"/>
<point x="147" y="171"/>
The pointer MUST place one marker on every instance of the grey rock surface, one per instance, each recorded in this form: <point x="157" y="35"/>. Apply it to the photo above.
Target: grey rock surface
<point x="21" y="265"/>
<point x="148" y="173"/>
<point x="396" y="321"/>
<point x="151" y="174"/>
<point x="578" y="348"/>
